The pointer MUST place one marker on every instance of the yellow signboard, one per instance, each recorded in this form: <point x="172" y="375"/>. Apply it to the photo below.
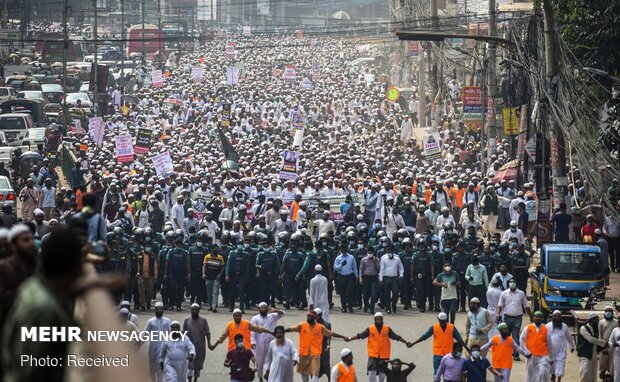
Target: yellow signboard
<point x="511" y="121"/>
<point x="392" y="94"/>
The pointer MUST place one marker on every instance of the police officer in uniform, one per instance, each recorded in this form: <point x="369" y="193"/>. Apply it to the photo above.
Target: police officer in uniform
<point x="134" y="256"/>
<point x="177" y="271"/>
<point x="196" y="257"/>
<point x="422" y="276"/>
<point x="251" y="247"/>
<point x="292" y="264"/>
<point x="437" y="260"/>
<point x="237" y="273"/>
<point x="460" y="262"/>
<point x="151" y="249"/>
<point x="161" y="267"/>
<point x="407" y="255"/>
<point x="267" y="270"/>
<point x="325" y="258"/>
<point x="225" y="248"/>
<point x="281" y="248"/>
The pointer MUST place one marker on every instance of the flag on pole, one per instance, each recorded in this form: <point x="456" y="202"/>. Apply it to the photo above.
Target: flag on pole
<point x="229" y="151"/>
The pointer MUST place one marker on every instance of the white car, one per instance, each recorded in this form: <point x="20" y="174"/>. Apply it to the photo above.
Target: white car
<point x="34" y="137"/>
<point x="72" y="99"/>
<point x="7" y="93"/>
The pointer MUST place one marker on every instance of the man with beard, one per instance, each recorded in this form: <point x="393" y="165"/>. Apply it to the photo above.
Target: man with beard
<point x="396" y="373"/>
<point x="197" y="329"/>
<point x="536" y="343"/>
<point x="560" y="338"/>
<point x="15" y="269"/>
<point x="379" y="346"/>
<point x="588" y="346"/>
<point x="311" y="336"/>
<point x="605" y="327"/>
<point x="174" y="355"/>
<point x="266" y="318"/>
<point x="281" y="357"/>
<point x="344" y="371"/>
<point x="29" y="197"/>
<point x="157" y="324"/>
<point x="502" y="348"/>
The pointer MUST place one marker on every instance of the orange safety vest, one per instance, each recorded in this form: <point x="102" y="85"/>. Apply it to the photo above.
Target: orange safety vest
<point x="310" y="339"/>
<point x="379" y="343"/>
<point x="501" y="354"/>
<point x="233" y="330"/>
<point x="294" y="210"/>
<point x="459" y="196"/>
<point x="537" y="340"/>
<point x="442" y="340"/>
<point x="345" y="375"/>
<point x="428" y="193"/>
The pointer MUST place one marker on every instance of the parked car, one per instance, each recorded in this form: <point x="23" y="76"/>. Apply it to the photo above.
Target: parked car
<point x="15" y="125"/>
<point x="53" y="92"/>
<point x="7" y="93"/>
<point x="7" y="193"/>
<point x="3" y="139"/>
<point x="34" y="137"/>
<point x="32" y="94"/>
<point x="72" y="99"/>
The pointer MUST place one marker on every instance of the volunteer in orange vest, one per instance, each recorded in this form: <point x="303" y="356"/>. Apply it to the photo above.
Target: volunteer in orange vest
<point x="344" y="371"/>
<point x="378" y="346"/>
<point x="444" y="334"/>
<point x="311" y="336"/>
<point x="239" y="326"/>
<point x="502" y="346"/>
<point x="535" y="342"/>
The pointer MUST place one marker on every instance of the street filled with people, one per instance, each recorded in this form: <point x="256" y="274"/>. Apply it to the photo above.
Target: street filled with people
<point x="265" y="194"/>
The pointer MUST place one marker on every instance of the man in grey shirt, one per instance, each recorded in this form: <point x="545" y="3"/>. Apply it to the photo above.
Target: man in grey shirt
<point x="369" y="280"/>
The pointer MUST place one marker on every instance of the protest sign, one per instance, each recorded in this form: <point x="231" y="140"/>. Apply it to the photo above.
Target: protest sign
<point x="197" y="74"/>
<point x="157" y="79"/>
<point x="290" y="73"/>
<point x="96" y="129"/>
<point x="232" y="75"/>
<point x="432" y="146"/>
<point x="124" y="148"/>
<point x="143" y="141"/>
<point x="225" y="115"/>
<point x="289" y="165"/>
<point x="163" y="164"/>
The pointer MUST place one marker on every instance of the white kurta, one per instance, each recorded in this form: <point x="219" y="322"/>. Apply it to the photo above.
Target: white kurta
<point x="536" y="367"/>
<point x="318" y="295"/>
<point x="174" y="355"/>
<point x="492" y="301"/>
<point x="588" y="371"/>
<point x="161" y="324"/>
<point x="280" y="360"/>
<point x="260" y="341"/>
<point x="614" y="341"/>
<point x="561" y="339"/>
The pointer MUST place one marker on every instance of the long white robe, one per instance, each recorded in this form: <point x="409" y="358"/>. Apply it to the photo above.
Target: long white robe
<point x="561" y="339"/>
<point x="537" y="368"/>
<point x="492" y="301"/>
<point x="588" y="371"/>
<point x="280" y="360"/>
<point x="318" y="295"/>
<point x="161" y="324"/>
<point x="614" y="341"/>
<point x="260" y="341"/>
<point x="174" y="355"/>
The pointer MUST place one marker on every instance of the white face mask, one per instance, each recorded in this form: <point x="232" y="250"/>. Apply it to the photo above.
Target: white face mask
<point x="360" y="246"/>
<point x="512" y="286"/>
<point x="447" y="269"/>
<point x="199" y="244"/>
<point x="435" y="248"/>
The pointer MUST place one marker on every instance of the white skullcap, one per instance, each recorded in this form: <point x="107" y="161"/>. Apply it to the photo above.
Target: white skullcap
<point x="175" y="322"/>
<point x="159" y="304"/>
<point x="442" y="316"/>
<point x="318" y="268"/>
<point x="38" y="211"/>
<point x="592" y="315"/>
<point x="17" y="230"/>
<point x="237" y="310"/>
<point x="475" y="300"/>
<point x="318" y="311"/>
<point x="262" y="305"/>
<point x="556" y="312"/>
<point x="4" y="233"/>
<point x="124" y="311"/>
<point x="126" y="303"/>
<point x="194" y="305"/>
<point x="609" y="307"/>
<point x="378" y="314"/>
<point x="345" y="352"/>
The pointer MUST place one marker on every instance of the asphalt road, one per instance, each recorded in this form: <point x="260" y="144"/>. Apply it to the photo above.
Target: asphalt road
<point x="408" y="324"/>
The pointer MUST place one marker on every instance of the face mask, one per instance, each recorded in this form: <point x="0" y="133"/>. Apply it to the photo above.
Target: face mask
<point x="147" y="239"/>
<point x="458" y="354"/>
<point x="384" y="245"/>
<point x="491" y="248"/>
<point x="400" y="239"/>
<point x="435" y="248"/>
<point x="514" y="245"/>
<point x="512" y="286"/>
<point x="246" y="245"/>
<point x="360" y="246"/>
<point x="199" y="244"/>
<point x="447" y="269"/>
<point x="475" y="354"/>
<point x="240" y="345"/>
<point x="608" y="315"/>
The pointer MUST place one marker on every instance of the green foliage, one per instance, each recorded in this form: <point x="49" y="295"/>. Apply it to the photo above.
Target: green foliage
<point x="591" y="28"/>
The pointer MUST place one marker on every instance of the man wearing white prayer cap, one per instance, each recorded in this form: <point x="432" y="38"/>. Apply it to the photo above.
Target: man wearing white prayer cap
<point x="561" y="338"/>
<point x="587" y="349"/>
<point x="344" y="370"/>
<point x="318" y="292"/>
<point x="175" y="353"/>
<point x="267" y="318"/>
<point x="197" y="329"/>
<point x="157" y="325"/>
<point x="605" y="327"/>
<point x="132" y="317"/>
<point x="238" y="326"/>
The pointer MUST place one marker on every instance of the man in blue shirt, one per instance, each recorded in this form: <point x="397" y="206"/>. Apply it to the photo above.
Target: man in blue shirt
<point x="476" y="366"/>
<point x="345" y="268"/>
<point x="561" y="224"/>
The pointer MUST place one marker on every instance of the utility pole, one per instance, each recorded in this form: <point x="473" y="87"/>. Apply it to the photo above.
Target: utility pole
<point x="556" y="138"/>
<point x="434" y="84"/>
<point x="122" y="46"/>
<point x="491" y="69"/>
<point x="96" y="79"/>
<point x="421" y="81"/>
<point x="143" y="47"/>
<point x="65" y="37"/>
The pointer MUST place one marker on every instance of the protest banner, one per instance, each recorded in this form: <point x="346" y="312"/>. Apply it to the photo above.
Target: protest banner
<point x="163" y="164"/>
<point x="290" y="73"/>
<point x="157" y="78"/>
<point x="230" y="50"/>
<point x="197" y="74"/>
<point x="432" y="146"/>
<point x="96" y="130"/>
<point x="225" y="115"/>
<point x="472" y="103"/>
<point x="289" y="164"/>
<point x="124" y="148"/>
<point x="232" y="75"/>
<point x="143" y="141"/>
